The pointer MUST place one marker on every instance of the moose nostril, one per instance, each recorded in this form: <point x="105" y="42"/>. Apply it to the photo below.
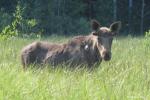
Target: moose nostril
<point x="107" y="56"/>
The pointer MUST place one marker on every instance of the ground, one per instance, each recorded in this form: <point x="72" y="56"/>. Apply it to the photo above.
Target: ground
<point x="125" y="77"/>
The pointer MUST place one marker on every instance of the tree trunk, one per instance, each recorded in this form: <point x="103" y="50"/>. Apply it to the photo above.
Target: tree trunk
<point x="115" y="10"/>
<point x="130" y="14"/>
<point x="142" y="17"/>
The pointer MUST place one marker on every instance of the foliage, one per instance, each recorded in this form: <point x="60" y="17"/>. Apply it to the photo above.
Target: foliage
<point x="68" y="17"/>
<point x="19" y="25"/>
<point x="12" y="30"/>
<point x="125" y="77"/>
<point x="8" y="32"/>
<point x="147" y="34"/>
<point x="147" y="40"/>
<point x="56" y="16"/>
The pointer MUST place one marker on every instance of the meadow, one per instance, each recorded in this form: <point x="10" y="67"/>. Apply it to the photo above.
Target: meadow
<point x="125" y="77"/>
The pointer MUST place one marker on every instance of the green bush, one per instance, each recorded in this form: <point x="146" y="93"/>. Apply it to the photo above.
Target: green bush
<point x="19" y="25"/>
<point x="11" y="30"/>
<point x="147" y="41"/>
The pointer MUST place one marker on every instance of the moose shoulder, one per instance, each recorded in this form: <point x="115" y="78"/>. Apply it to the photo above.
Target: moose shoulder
<point x="87" y="50"/>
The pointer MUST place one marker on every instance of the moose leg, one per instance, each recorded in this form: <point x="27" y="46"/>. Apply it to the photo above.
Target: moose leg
<point x="25" y="60"/>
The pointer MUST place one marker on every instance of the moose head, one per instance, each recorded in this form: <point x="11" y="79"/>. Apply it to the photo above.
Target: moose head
<point x="105" y="37"/>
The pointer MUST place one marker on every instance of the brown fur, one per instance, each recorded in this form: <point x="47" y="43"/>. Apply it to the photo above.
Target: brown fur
<point x="86" y="50"/>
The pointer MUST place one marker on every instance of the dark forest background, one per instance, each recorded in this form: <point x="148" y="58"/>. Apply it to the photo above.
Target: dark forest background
<point x="71" y="17"/>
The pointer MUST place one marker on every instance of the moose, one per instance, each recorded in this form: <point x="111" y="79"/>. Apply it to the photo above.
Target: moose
<point x="80" y="50"/>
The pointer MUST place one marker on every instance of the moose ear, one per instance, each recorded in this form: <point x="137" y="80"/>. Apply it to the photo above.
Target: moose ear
<point x="115" y="27"/>
<point x="95" y="25"/>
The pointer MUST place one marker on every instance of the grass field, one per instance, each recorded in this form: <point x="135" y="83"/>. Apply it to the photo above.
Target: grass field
<point x="125" y="77"/>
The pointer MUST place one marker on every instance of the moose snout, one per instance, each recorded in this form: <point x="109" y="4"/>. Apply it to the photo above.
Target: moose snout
<point x="106" y="56"/>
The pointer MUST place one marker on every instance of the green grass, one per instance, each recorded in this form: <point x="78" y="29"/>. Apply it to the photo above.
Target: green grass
<point x="125" y="77"/>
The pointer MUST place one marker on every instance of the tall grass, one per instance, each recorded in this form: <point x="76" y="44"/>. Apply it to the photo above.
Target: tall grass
<point x="125" y="77"/>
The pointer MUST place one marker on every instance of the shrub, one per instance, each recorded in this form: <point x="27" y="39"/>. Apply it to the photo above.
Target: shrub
<point x="147" y="41"/>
